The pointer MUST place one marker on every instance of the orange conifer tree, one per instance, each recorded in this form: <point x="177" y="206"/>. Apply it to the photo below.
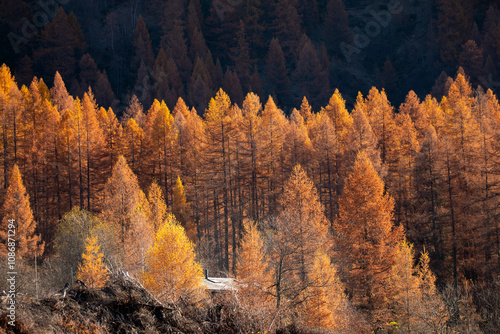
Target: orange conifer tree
<point x="16" y="211"/>
<point x="367" y="238"/>
<point x="157" y="205"/>
<point x="325" y="305"/>
<point x="180" y="209"/>
<point x="92" y="271"/>
<point x="171" y="268"/>
<point x="251" y="269"/>
<point x="126" y="208"/>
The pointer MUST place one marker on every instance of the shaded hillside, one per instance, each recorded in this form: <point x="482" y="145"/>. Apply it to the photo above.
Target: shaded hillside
<point x="123" y="306"/>
<point x="190" y="49"/>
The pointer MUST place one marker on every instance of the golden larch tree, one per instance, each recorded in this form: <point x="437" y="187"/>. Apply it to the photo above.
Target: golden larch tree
<point x="16" y="211"/>
<point x="134" y="145"/>
<point x="418" y="114"/>
<point x="405" y="286"/>
<point x="328" y="162"/>
<point x="157" y="206"/>
<point x="325" y="304"/>
<point x="298" y="231"/>
<point x="366" y="238"/>
<point x="300" y="201"/>
<point x="297" y="149"/>
<point x="340" y="117"/>
<point x="171" y="268"/>
<point x="432" y="313"/>
<point x="127" y="209"/>
<point x="92" y="271"/>
<point x="180" y="209"/>
<point x="161" y="139"/>
<point x="361" y="137"/>
<point x="273" y="131"/>
<point x="252" y="271"/>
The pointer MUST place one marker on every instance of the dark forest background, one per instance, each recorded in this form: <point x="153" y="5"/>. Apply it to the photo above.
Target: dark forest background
<point x="284" y="48"/>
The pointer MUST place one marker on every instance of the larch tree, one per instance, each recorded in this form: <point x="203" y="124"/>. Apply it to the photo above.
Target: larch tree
<point x="362" y="138"/>
<point x="406" y="287"/>
<point x="10" y="101"/>
<point x="252" y="271"/>
<point x="134" y="147"/>
<point x="435" y="113"/>
<point x="171" y="268"/>
<point x="325" y="306"/>
<point x="286" y="25"/>
<point x="429" y="182"/>
<point x="488" y="117"/>
<point x="340" y="117"/>
<point x="93" y="145"/>
<point x="300" y="199"/>
<point x="453" y="25"/>
<point x="404" y="184"/>
<point x="219" y="127"/>
<point x="381" y="117"/>
<point x="297" y="149"/>
<point x="60" y="96"/>
<point x="432" y="313"/>
<point x="250" y="153"/>
<point x="418" y="114"/>
<point x="126" y="208"/>
<point x="366" y="238"/>
<point x="329" y="167"/>
<point x="305" y="109"/>
<point x="309" y="77"/>
<point x="273" y="127"/>
<point x="337" y="29"/>
<point x="92" y="271"/>
<point x="161" y="138"/>
<point x="460" y="152"/>
<point x="17" y="215"/>
<point x="296" y="234"/>
<point x="157" y="206"/>
<point x="181" y="211"/>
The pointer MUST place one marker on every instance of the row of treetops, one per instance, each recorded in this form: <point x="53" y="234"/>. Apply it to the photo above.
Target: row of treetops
<point x="437" y="160"/>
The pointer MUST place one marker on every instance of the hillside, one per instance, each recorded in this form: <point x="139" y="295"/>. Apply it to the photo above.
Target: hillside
<point x="124" y="306"/>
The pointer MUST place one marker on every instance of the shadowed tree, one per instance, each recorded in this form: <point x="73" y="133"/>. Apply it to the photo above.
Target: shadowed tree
<point x="277" y="73"/>
<point x="142" y="45"/>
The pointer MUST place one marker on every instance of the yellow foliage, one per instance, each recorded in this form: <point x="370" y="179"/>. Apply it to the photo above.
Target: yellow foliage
<point x="341" y="119"/>
<point x="171" y="268"/>
<point x="16" y="210"/>
<point x="92" y="271"/>
<point x="180" y="209"/>
<point x="157" y="205"/>
<point x="325" y="297"/>
<point x="251" y="269"/>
